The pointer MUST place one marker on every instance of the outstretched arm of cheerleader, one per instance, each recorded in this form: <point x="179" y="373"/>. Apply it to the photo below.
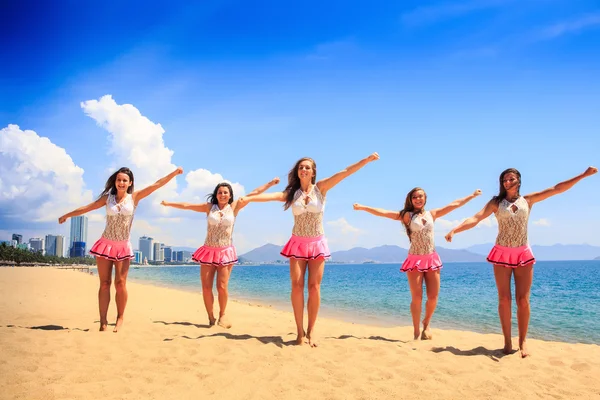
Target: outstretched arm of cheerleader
<point x="440" y="212"/>
<point x="264" y="197"/>
<point x="147" y="191"/>
<point x="242" y="201"/>
<point x="325" y="184"/>
<point x="85" y="209"/>
<point x="379" y="212"/>
<point x="203" y="207"/>
<point x="469" y="223"/>
<point x="559" y="188"/>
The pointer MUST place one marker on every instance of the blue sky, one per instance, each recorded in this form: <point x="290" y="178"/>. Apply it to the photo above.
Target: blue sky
<point x="449" y="94"/>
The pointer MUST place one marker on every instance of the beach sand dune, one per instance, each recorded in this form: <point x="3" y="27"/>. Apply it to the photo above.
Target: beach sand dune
<point x="51" y="349"/>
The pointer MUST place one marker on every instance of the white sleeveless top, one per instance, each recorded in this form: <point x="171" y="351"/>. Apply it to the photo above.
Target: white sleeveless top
<point x="421" y="236"/>
<point x="220" y="226"/>
<point x="512" y="222"/>
<point x="119" y="217"/>
<point x="308" y="213"/>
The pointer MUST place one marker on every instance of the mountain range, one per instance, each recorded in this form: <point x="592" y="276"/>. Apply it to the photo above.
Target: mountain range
<point x="395" y="254"/>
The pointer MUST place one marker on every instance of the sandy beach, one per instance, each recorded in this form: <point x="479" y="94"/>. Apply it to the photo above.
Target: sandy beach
<point x="51" y="349"/>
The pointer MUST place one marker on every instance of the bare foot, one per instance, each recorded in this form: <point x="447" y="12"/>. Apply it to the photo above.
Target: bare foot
<point x="524" y="351"/>
<point x="426" y="334"/>
<point x="224" y="322"/>
<point x="103" y="326"/>
<point x="311" y="338"/>
<point x="118" y="324"/>
<point x="507" y="348"/>
<point x="211" y="321"/>
<point x="417" y="334"/>
<point x="300" y="338"/>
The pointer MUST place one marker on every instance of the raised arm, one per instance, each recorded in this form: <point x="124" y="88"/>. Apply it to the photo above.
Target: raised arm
<point x="379" y="212"/>
<point x="242" y="201"/>
<point x="264" y="197"/>
<point x="147" y="191"/>
<point x="325" y="184"/>
<point x="203" y="207"/>
<point x="440" y="212"/>
<point x="559" y="188"/>
<point x="85" y="209"/>
<point x="469" y="223"/>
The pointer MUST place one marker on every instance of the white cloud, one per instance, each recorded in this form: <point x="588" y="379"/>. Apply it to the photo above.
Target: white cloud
<point x="542" y="222"/>
<point x="565" y="27"/>
<point x="341" y="235"/>
<point x="135" y="142"/>
<point x="202" y="182"/>
<point x="342" y="226"/>
<point x="38" y="180"/>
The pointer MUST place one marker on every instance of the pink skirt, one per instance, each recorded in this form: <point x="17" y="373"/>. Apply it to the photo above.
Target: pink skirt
<point x="112" y="250"/>
<point x="306" y="248"/>
<point x="422" y="262"/>
<point x="511" y="257"/>
<point x="216" y="256"/>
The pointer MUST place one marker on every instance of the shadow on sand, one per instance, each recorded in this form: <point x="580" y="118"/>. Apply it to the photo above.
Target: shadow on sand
<point x="494" y="355"/>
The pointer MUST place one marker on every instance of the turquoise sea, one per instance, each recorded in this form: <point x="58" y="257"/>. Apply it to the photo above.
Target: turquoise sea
<point x="565" y="297"/>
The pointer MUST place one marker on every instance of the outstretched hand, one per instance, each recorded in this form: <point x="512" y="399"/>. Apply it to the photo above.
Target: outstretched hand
<point x="591" y="171"/>
<point x="477" y="192"/>
<point x="373" y="157"/>
<point x="275" y="181"/>
<point x="449" y="236"/>
<point x="179" y="170"/>
<point x="163" y="203"/>
<point x="62" y="219"/>
<point x="356" y="206"/>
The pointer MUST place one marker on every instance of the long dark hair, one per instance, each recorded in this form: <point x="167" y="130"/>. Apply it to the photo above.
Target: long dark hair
<point x="110" y="186"/>
<point x="410" y="208"/>
<point x="502" y="191"/>
<point x="294" y="181"/>
<point x="212" y="198"/>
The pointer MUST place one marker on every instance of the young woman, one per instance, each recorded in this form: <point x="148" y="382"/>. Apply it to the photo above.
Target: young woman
<point x="114" y="247"/>
<point x="217" y="255"/>
<point x="512" y="254"/>
<point x="423" y="263"/>
<point x="307" y="248"/>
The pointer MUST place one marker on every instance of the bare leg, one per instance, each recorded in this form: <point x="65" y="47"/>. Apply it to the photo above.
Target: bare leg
<point x="502" y="275"/>
<point x="121" y="271"/>
<point x="432" y="283"/>
<point x="415" y="282"/>
<point x="105" y="275"/>
<point x="223" y="274"/>
<point x="315" y="276"/>
<point x="523" y="280"/>
<point x="297" y="273"/>
<point x="207" y="277"/>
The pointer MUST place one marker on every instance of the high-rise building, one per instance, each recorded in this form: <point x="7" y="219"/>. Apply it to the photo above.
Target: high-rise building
<point x="77" y="249"/>
<point x="36" y="244"/>
<point x="159" y="253"/>
<point x="79" y="230"/>
<point x="55" y="245"/>
<point x="168" y="253"/>
<point x="18" y="238"/>
<point x="138" y="256"/>
<point x="147" y="248"/>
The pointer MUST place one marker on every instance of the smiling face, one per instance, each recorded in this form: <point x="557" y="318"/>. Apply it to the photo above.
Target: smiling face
<point x="223" y="195"/>
<point x="306" y="170"/>
<point x="510" y="181"/>
<point x="418" y="199"/>
<point x="122" y="183"/>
